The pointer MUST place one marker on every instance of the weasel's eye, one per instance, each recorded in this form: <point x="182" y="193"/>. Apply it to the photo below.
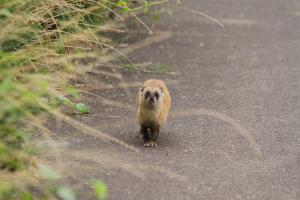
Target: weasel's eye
<point x="147" y="93"/>
<point x="156" y="95"/>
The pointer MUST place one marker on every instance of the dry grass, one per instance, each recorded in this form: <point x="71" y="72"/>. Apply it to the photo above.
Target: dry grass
<point x="42" y="46"/>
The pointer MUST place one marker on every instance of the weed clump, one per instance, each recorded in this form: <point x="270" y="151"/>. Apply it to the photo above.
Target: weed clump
<point x="39" y="43"/>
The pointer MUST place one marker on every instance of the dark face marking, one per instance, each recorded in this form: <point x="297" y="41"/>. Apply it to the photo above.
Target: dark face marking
<point x="152" y="95"/>
<point x="147" y="94"/>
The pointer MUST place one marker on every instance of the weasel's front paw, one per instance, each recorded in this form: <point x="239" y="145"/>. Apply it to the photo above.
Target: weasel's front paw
<point x="150" y="144"/>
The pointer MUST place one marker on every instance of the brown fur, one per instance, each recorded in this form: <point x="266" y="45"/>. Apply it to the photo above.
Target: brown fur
<point x="158" y="113"/>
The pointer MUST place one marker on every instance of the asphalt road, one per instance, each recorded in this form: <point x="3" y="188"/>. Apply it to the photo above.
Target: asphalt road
<point x="233" y="130"/>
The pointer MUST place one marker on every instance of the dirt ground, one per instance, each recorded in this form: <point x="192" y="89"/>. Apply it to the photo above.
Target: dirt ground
<point x="233" y="130"/>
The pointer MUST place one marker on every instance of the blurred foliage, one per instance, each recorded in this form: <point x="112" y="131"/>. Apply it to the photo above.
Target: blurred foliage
<point x="100" y="189"/>
<point x="40" y="42"/>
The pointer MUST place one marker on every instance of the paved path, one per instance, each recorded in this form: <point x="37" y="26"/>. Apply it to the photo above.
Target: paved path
<point x="234" y="130"/>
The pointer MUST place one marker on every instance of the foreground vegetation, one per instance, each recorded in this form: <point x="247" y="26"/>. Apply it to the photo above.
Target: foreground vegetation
<point x="41" y="42"/>
<point x="41" y="45"/>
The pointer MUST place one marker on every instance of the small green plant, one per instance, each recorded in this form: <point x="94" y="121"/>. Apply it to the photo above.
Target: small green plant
<point x="129" y="67"/>
<point x="100" y="189"/>
<point x="65" y="193"/>
<point x="48" y="173"/>
<point x="48" y="187"/>
<point x="80" y="106"/>
<point x="68" y="102"/>
<point x="51" y="188"/>
<point x="158" y="69"/>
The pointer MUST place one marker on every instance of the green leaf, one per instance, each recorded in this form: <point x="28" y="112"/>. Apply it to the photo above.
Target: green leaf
<point x="48" y="173"/>
<point x="43" y="84"/>
<point x="67" y="101"/>
<point x="82" y="108"/>
<point x="123" y="3"/>
<point x="129" y="67"/>
<point x="65" y="194"/>
<point x="124" y="10"/>
<point x="159" y="66"/>
<point x="27" y="196"/>
<point x="146" y="9"/>
<point x="5" y="12"/>
<point x="157" y="69"/>
<point x="73" y="91"/>
<point x="6" y="85"/>
<point x="156" y="18"/>
<point x="100" y="189"/>
<point x="178" y="2"/>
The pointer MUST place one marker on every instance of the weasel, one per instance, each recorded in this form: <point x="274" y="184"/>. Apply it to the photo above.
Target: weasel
<point x="154" y="103"/>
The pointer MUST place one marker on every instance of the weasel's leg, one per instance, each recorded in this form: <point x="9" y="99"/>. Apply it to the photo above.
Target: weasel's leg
<point x="154" y="129"/>
<point x="146" y="135"/>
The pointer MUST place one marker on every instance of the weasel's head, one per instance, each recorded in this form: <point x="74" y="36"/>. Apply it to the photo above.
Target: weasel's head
<point x="152" y="95"/>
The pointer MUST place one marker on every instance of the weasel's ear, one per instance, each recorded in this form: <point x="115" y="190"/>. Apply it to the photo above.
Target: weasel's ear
<point x="161" y="89"/>
<point x="142" y="89"/>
